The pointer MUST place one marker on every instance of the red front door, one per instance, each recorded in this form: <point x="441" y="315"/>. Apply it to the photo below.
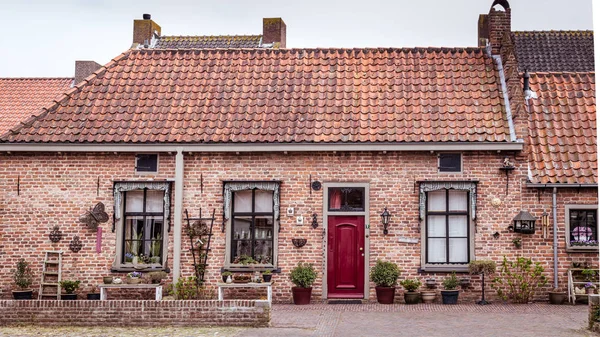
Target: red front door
<point x="346" y="256"/>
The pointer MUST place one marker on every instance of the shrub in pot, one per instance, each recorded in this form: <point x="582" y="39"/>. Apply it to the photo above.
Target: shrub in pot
<point x="411" y="295"/>
<point x="385" y="275"/>
<point x="450" y="294"/>
<point x="23" y="277"/>
<point x="156" y="276"/>
<point x="69" y="287"/>
<point x="303" y="276"/>
<point x="225" y="275"/>
<point x="94" y="294"/>
<point x="266" y="275"/>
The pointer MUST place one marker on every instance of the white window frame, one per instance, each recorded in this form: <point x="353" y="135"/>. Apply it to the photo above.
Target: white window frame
<point x="450" y="172"/>
<point x="135" y="159"/>
<point x="568" y="209"/>
<point x="228" y="265"/>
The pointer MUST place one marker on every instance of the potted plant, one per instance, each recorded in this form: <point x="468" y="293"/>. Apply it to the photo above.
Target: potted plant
<point x="428" y="295"/>
<point x="385" y="275"/>
<point x="94" y="294"/>
<point x="241" y="278"/>
<point x="302" y="276"/>
<point x="107" y="279"/>
<point x="23" y="277"/>
<point x="134" y="277"/>
<point x="156" y="276"/>
<point x="450" y="294"/>
<point x="69" y="287"/>
<point x="266" y="275"/>
<point x="517" y="242"/>
<point x="483" y="267"/>
<point x="589" y="288"/>
<point x="411" y="295"/>
<point x="588" y="274"/>
<point x="556" y="296"/>
<point x="225" y="275"/>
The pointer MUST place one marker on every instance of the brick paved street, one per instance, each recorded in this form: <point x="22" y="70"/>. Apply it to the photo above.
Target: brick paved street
<point x="539" y="320"/>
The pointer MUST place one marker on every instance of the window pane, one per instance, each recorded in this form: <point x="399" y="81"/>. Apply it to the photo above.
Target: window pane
<point x="154" y="201"/>
<point x="457" y="225"/>
<point x="134" y="231"/>
<point x="436" y="201"/>
<point x="263" y="228"/>
<point x="583" y="225"/>
<point x="436" y="250"/>
<point x="347" y="199"/>
<point x="458" y="250"/>
<point x="263" y="251"/>
<point x="241" y="228"/>
<point x="134" y="201"/>
<point x="263" y="202"/>
<point x="242" y="201"/>
<point x="449" y="162"/>
<point x="458" y="200"/>
<point x="436" y="225"/>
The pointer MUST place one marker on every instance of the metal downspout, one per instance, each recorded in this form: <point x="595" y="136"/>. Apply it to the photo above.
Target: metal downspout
<point x="555" y="235"/>
<point x="178" y="215"/>
<point x="511" y="126"/>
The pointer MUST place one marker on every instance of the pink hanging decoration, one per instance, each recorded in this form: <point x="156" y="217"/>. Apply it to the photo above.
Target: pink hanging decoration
<point x="99" y="240"/>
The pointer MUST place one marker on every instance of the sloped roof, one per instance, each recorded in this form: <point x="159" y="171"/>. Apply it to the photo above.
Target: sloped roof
<point x="284" y="96"/>
<point x="562" y="124"/>
<point x="20" y="98"/>
<point x="206" y="41"/>
<point x="555" y="51"/>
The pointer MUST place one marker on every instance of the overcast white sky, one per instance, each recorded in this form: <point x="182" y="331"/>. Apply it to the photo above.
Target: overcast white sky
<point x="43" y="38"/>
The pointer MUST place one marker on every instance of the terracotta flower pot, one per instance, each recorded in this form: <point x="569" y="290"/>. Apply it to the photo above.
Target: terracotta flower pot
<point x="428" y="296"/>
<point x="385" y="295"/>
<point x="301" y="296"/>
<point x="134" y="280"/>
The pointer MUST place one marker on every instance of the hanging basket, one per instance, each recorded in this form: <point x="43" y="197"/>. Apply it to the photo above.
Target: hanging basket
<point x="298" y="243"/>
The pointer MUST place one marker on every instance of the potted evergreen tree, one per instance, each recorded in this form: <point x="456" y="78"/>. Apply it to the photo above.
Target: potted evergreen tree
<point x="385" y="275"/>
<point x="411" y="295"/>
<point x="450" y="294"/>
<point x="303" y="276"/>
<point x="69" y="287"/>
<point x="23" y="277"/>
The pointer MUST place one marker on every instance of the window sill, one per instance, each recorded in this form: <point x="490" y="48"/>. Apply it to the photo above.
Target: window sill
<point x="249" y="269"/>
<point x="125" y="268"/>
<point x="460" y="268"/>
<point x="582" y="249"/>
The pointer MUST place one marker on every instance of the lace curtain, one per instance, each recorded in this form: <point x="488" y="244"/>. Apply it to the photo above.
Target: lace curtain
<point x="239" y="186"/>
<point x="469" y="186"/>
<point x="121" y="187"/>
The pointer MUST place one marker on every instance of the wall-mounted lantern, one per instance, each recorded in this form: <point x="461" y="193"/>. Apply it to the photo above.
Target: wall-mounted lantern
<point x="385" y="220"/>
<point x="524" y="223"/>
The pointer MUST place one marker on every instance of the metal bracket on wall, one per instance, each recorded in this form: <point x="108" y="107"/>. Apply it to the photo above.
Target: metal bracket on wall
<point x="315" y="223"/>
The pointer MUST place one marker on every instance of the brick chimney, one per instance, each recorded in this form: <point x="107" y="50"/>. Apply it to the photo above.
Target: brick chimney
<point x="492" y="27"/>
<point x="274" y="32"/>
<point x="144" y="31"/>
<point x="84" y="69"/>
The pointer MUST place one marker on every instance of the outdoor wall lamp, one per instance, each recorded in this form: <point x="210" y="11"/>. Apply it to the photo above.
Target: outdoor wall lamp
<point x="524" y="223"/>
<point x="385" y="220"/>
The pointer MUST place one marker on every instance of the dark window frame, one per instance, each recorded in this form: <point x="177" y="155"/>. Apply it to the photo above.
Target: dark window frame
<point x="253" y="215"/>
<point x="145" y="169"/>
<point x="593" y="227"/>
<point x="346" y="208"/>
<point x="447" y="213"/>
<point x="143" y="214"/>
<point x="453" y="168"/>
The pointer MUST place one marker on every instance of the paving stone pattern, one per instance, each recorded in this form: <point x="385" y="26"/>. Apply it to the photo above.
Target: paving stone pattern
<point x="496" y="320"/>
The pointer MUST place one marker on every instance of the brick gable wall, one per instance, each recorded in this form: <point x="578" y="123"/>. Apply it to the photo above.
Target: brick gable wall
<point x="56" y="189"/>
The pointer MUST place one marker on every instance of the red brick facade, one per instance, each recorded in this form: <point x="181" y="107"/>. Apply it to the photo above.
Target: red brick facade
<point x="55" y="189"/>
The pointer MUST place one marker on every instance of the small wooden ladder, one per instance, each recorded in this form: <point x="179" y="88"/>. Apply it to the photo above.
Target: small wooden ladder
<point x="51" y="275"/>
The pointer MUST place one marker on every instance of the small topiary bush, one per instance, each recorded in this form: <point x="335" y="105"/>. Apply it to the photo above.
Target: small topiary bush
<point x="22" y="275"/>
<point x="451" y="282"/>
<point x="410" y="285"/>
<point x="385" y="274"/>
<point x="486" y="267"/>
<point x="303" y="275"/>
<point x="69" y="286"/>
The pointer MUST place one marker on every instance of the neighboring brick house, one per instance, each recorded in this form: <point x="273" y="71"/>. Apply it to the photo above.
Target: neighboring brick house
<point x="279" y="140"/>
<point x="557" y="68"/>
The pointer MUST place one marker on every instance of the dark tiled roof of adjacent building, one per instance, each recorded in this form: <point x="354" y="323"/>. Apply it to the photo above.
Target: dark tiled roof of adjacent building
<point x="220" y="41"/>
<point x="284" y="96"/>
<point x="555" y="51"/>
<point x="563" y="145"/>
<point x="21" y="98"/>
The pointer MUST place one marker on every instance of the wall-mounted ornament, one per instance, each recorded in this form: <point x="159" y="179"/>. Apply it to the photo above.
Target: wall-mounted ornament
<point x="315" y="223"/>
<point x="55" y="234"/>
<point x="316" y="185"/>
<point x="95" y="216"/>
<point x="496" y="202"/>
<point x="75" y="245"/>
<point x="298" y="243"/>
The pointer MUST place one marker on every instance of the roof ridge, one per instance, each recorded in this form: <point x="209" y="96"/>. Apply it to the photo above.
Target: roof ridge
<point x="315" y="49"/>
<point x="243" y="35"/>
<point x="37" y="78"/>
<point x="548" y="73"/>
<point x="587" y="31"/>
<point x="56" y="102"/>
